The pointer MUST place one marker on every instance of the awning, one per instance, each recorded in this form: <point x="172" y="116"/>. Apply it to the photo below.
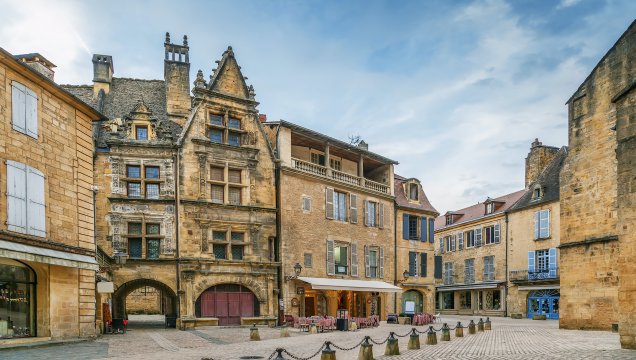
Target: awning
<point x="353" y="285"/>
<point x="539" y="287"/>
<point x="489" y="285"/>
<point x="18" y="251"/>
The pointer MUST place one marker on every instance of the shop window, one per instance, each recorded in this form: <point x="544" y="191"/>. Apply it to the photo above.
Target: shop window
<point x="17" y="300"/>
<point x="447" y="300"/>
<point x="465" y="300"/>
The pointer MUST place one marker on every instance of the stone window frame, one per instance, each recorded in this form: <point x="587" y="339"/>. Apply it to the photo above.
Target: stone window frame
<point x="306" y="204"/>
<point x="227" y="242"/>
<point x="139" y="127"/>
<point x="225" y="127"/>
<point x="467" y="238"/>
<point x="410" y="186"/>
<point x="308" y="260"/>
<point x="342" y="244"/>
<point x="226" y="184"/>
<point x="142" y="180"/>
<point x="144" y="236"/>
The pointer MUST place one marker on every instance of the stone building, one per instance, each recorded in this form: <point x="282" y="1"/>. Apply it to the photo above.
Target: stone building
<point x="598" y="241"/>
<point x="533" y="237"/>
<point x="414" y="246"/>
<point x="472" y="243"/>
<point x="47" y="248"/>
<point x="336" y="219"/>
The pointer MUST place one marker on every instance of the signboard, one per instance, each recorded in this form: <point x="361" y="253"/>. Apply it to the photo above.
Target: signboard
<point x="409" y="307"/>
<point x="105" y="287"/>
<point x="300" y="291"/>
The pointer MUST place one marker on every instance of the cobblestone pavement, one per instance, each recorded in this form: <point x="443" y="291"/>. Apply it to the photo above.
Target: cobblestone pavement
<point x="509" y="339"/>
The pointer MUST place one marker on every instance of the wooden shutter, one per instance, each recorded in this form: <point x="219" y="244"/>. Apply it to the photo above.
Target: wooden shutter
<point x="552" y="262"/>
<point x="16" y="196"/>
<point x="548" y="211"/>
<point x="367" y="262"/>
<point x="412" y="263"/>
<point x="31" y="113"/>
<point x="354" y="259"/>
<point x="441" y="245"/>
<point x="36" y="213"/>
<point x="18" y="107"/>
<point x="460" y="236"/>
<point x="423" y="231"/>
<point x="381" y="262"/>
<point x="381" y="215"/>
<point x="530" y="261"/>
<point x="329" y="203"/>
<point x="331" y="266"/>
<point x="536" y="224"/>
<point x="497" y="233"/>
<point x="431" y="230"/>
<point x="478" y="237"/>
<point x="353" y="208"/>
<point x="423" y="265"/>
<point x="405" y="226"/>
<point x="366" y="213"/>
<point x="438" y="267"/>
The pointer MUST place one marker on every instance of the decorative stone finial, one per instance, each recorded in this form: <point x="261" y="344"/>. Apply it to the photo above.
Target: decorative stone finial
<point x="167" y="37"/>
<point x="199" y="82"/>
<point x="251" y="91"/>
<point x="185" y="40"/>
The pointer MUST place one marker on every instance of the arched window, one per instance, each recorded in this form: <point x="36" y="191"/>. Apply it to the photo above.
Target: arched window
<point x="17" y="299"/>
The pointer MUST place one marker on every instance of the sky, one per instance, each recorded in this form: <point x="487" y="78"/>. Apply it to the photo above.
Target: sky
<point x="455" y="91"/>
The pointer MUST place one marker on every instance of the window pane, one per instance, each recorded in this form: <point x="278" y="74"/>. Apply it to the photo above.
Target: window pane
<point x="216" y="120"/>
<point x="234" y="139"/>
<point x="142" y="132"/>
<point x="134" y="189"/>
<point x="217" y="194"/>
<point x="318" y="159"/>
<point x="218" y="235"/>
<point x="372" y="213"/>
<point x="216" y="173"/>
<point x="152" y="191"/>
<point x="308" y="260"/>
<point x="152" y="172"/>
<point x="234" y="124"/>
<point x="234" y="176"/>
<point x="134" y="248"/>
<point x="216" y="136"/>
<point x="133" y="171"/>
<point x="134" y="228"/>
<point x="413" y="227"/>
<point x="237" y="252"/>
<point x="237" y="236"/>
<point x="152" y="249"/>
<point x="235" y="196"/>
<point x="219" y="251"/>
<point x="153" y="229"/>
<point x="373" y="258"/>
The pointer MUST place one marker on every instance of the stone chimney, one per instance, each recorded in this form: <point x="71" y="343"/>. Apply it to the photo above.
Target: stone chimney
<point x="538" y="158"/>
<point x="363" y="145"/>
<point x="176" y="73"/>
<point x="38" y="63"/>
<point x="102" y="73"/>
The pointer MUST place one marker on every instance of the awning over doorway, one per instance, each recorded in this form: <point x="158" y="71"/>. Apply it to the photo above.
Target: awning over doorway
<point x="353" y="285"/>
<point x="17" y="251"/>
<point x="489" y="285"/>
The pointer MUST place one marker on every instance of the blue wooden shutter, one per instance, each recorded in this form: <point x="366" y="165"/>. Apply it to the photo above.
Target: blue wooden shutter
<point x="438" y="267"/>
<point x="412" y="263"/>
<point x="536" y="225"/>
<point x="405" y="227"/>
<point x="552" y="262"/>
<point x="460" y="236"/>
<point x="36" y="212"/>
<point x="16" y="197"/>
<point x="497" y="234"/>
<point x="530" y="261"/>
<point x="431" y="230"/>
<point x="423" y="264"/>
<point x="423" y="231"/>
<point x="18" y="107"/>
<point x="31" y="120"/>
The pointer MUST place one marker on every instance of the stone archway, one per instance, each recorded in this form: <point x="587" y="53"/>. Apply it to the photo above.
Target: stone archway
<point x="416" y="300"/>
<point x="168" y="297"/>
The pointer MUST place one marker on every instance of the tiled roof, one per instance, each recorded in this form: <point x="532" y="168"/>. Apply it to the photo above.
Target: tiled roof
<point x="548" y="180"/>
<point x="478" y="210"/>
<point x="402" y="200"/>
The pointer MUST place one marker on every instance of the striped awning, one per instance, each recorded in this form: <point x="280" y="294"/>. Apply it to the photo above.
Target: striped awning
<point x="18" y="251"/>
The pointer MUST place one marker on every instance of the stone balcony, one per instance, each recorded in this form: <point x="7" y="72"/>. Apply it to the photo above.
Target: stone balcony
<point x="524" y="276"/>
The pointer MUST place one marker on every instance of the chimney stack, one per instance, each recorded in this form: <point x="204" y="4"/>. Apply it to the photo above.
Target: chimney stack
<point x="538" y="158"/>
<point x="262" y="118"/>
<point x="38" y="63"/>
<point x="176" y="73"/>
<point x="102" y="73"/>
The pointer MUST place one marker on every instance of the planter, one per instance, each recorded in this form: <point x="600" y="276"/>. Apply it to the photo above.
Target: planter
<point x="404" y="320"/>
<point x="539" y="317"/>
<point x="516" y="316"/>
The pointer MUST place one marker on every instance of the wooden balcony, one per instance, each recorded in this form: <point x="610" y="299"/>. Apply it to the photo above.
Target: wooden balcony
<point x="339" y="176"/>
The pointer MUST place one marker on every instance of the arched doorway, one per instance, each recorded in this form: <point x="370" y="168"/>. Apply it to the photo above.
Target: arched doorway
<point x="167" y="299"/>
<point x="227" y="302"/>
<point x="17" y="299"/>
<point x="544" y="302"/>
<point x="412" y="302"/>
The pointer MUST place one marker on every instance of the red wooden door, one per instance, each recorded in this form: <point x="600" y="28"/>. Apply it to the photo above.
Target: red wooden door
<point x="208" y="304"/>
<point x="227" y="306"/>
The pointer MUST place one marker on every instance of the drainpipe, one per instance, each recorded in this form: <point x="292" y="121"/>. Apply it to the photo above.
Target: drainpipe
<point x="395" y="256"/>
<point x="177" y="230"/>
<point x="278" y="238"/>
<point x="506" y="285"/>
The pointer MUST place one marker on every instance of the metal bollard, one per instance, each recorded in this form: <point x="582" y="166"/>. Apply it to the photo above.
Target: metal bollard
<point x="392" y="346"/>
<point x="471" y="328"/>
<point x="431" y="336"/>
<point x="280" y="354"/>
<point x="366" y="350"/>
<point x="480" y="325"/>
<point x="284" y="331"/>
<point x="459" y="330"/>
<point x="414" y="340"/>
<point x="327" y="352"/>
<point x="254" y="336"/>
<point x="487" y="324"/>
<point x="445" y="332"/>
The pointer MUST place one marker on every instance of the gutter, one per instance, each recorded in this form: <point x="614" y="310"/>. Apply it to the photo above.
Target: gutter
<point x="395" y="255"/>
<point x="278" y="238"/>
<point x="507" y="273"/>
<point x="177" y="231"/>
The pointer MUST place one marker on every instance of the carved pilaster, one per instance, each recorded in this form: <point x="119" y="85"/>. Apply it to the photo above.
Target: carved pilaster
<point x="205" y="247"/>
<point x="115" y="223"/>
<point x="202" y="175"/>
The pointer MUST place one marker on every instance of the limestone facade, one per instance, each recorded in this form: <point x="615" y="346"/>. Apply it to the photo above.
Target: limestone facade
<point x="46" y="207"/>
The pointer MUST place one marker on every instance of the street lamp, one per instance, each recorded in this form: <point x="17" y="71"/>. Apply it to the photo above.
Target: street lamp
<point x="297" y="270"/>
<point x="120" y="258"/>
<point x="405" y="274"/>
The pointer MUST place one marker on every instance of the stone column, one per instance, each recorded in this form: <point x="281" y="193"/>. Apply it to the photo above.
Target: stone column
<point x="327" y="162"/>
<point x="361" y="170"/>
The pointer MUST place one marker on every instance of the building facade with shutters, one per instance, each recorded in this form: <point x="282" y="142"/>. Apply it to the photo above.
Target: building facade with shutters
<point x="533" y="237"/>
<point x="414" y="247"/>
<point x="336" y="222"/>
<point x="472" y="244"/>
<point x="47" y="248"/>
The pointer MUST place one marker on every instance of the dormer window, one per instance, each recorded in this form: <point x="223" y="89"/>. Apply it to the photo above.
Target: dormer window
<point x="449" y="219"/>
<point x="490" y="208"/>
<point x="413" y="191"/>
<point x="537" y="193"/>
<point x="141" y="132"/>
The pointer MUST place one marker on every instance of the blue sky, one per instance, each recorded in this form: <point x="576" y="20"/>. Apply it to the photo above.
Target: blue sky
<point x="454" y="90"/>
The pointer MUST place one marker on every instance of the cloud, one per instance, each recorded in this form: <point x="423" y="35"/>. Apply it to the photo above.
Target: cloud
<point x="567" y="3"/>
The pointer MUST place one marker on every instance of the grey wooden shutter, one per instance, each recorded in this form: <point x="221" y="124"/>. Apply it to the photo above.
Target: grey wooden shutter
<point x="366" y="213"/>
<point x="31" y="113"/>
<point x="478" y="237"/>
<point x="353" y="209"/>
<point x="381" y="215"/>
<point x="18" y="107"/>
<point x="548" y="225"/>
<point x="460" y="236"/>
<point x="552" y="262"/>
<point x="423" y="231"/>
<point x="497" y="235"/>
<point x="405" y="226"/>
<point x="331" y="266"/>
<point x="16" y="196"/>
<point x="36" y="213"/>
<point x="367" y="262"/>
<point x="354" y="259"/>
<point x="412" y="263"/>
<point x="329" y="203"/>
<point x="381" y="262"/>
<point x="438" y="267"/>
<point x="431" y="230"/>
<point x="441" y="245"/>
<point x="423" y="265"/>
<point x="530" y="261"/>
<point x="536" y="224"/>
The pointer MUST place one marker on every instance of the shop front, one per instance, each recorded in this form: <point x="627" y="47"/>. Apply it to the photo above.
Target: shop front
<point x="474" y="299"/>
<point x="17" y="299"/>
